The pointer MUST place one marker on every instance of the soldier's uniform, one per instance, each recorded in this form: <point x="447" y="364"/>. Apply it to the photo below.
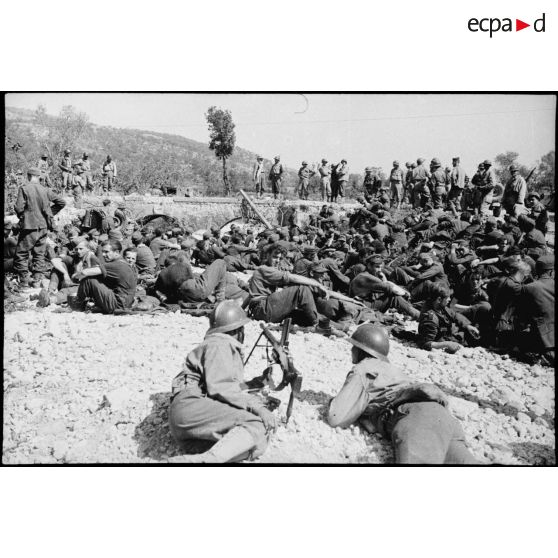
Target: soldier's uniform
<point x="443" y="325"/>
<point x="514" y="195"/>
<point x="438" y="185"/>
<point x="457" y="182"/>
<point x="207" y="398"/>
<point x="85" y="164"/>
<point x="325" y="180"/>
<point x="258" y="175"/>
<point x="487" y="182"/>
<point x="396" y="181"/>
<point x="78" y="184"/>
<point x="66" y="168"/>
<point x="304" y="174"/>
<point x="109" y="172"/>
<point x="276" y="177"/>
<point x="419" y="179"/>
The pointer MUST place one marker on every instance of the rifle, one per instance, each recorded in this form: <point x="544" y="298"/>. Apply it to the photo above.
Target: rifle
<point x="345" y="298"/>
<point x="281" y="355"/>
<point x="530" y="174"/>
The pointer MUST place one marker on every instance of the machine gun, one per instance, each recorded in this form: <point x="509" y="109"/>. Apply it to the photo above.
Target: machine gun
<point x="280" y="355"/>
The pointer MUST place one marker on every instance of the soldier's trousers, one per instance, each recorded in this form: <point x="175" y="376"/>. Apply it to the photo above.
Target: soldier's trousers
<point x="396" y="193"/>
<point x="211" y="283"/>
<point x="66" y="179"/>
<point x="303" y="188"/>
<point x="421" y="433"/>
<point x="34" y="242"/>
<point x="341" y="188"/>
<point x="438" y="197"/>
<point x="88" y="179"/>
<point x="104" y="298"/>
<point x="454" y="198"/>
<point x="196" y="417"/>
<point x="325" y="187"/>
<point x="109" y="180"/>
<point x="259" y="183"/>
<point x="276" y="186"/>
<point x="296" y="302"/>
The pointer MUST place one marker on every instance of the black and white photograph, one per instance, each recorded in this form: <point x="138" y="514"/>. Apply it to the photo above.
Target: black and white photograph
<point x="294" y="278"/>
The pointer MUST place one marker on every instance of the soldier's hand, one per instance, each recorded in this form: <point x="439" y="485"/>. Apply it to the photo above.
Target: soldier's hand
<point x="473" y="331"/>
<point x="268" y="418"/>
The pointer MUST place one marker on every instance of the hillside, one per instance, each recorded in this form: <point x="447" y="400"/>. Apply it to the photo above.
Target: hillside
<point x="144" y="159"/>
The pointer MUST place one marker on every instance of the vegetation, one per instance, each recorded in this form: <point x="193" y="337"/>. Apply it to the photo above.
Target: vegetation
<point x="543" y="177"/>
<point x="221" y="138"/>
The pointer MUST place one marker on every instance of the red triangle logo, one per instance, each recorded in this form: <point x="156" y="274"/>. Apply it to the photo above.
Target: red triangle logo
<point x="519" y="25"/>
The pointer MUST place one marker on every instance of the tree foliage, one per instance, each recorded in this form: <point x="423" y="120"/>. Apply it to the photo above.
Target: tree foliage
<point x="222" y="138"/>
<point x="542" y="179"/>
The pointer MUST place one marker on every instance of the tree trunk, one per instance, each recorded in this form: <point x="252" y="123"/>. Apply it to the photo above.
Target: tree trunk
<point x="225" y="177"/>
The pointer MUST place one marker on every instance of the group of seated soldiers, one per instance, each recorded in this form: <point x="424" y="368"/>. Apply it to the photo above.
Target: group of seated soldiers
<point x="468" y="279"/>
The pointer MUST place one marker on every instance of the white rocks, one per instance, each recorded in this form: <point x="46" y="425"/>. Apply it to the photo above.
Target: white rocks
<point x="461" y="408"/>
<point x="118" y="399"/>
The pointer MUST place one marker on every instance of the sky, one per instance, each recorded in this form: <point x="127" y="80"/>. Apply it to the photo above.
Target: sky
<point x="367" y="130"/>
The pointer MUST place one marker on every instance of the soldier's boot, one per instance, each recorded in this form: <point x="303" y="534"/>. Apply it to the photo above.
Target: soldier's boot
<point x="235" y="445"/>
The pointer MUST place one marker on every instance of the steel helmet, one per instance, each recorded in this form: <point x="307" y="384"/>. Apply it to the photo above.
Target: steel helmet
<point x="514" y="168"/>
<point x="395" y="163"/>
<point x="227" y="316"/>
<point x="435" y="162"/>
<point x="304" y="163"/>
<point x="372" y="339"/>
<point x="420" y="160"/>
<point x="408" y="164"/>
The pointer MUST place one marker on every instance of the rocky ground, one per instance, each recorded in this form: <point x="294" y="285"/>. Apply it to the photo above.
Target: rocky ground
<point x="84" y="388"/>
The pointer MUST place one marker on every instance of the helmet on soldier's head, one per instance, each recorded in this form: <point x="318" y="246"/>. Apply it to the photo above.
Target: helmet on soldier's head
<point x="67" y="151"/>
<point x="33" y="171"/>
<point x="514" y="168"/>
<point x="44" y="156"/>
<point x="324" y="160"/>
<point x="435" y="162"/>
<point x="227" y="316"/>
<point x="408" y="164"/>
<point x="304" y="163"/>
<point x="371" y="339"/>
<point x="85" y="154"/>
<point x="420" y="160"/>
<point x="487" y="163"/>
<point x="368" y="169"/>
<point x="395" y="163"/>
<point x="277" y="158"/>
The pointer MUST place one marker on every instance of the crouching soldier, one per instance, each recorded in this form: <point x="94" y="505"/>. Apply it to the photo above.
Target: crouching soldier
<point x="208" y="402"/>
<point x="413" y="415"/>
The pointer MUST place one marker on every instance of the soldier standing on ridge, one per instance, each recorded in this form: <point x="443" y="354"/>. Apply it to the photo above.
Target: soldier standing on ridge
<point x="109" y="172"/>
<point x="304" y="174"/>
<point x="85" y="164"/>
<point x="457" y="182"/>
<point x="396" y="181"/>
<point x="420" y="177"/>
<point x="325" y="180"/>
<point x="258" y="176"/>
<point x="438" y="182"/>
<point x="65" y="166"/>
<point x="276" y="176"/>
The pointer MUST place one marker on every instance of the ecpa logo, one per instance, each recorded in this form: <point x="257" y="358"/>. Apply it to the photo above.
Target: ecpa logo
<point x="494" y="24"/>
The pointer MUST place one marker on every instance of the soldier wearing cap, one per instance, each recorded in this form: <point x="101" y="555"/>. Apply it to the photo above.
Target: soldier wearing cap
<point x="419" y="180"/>
<point x="342" y="173"/>
<point x="209" y="400"/>
<point x="325" y="180"/>
<point x="458" y="179"/>
<point x="370" y="183"/>
<point x="35" y="206"/>
<point x="396" y="183"/>
<point x="65" y="165"/>
<point x="258" y="176"/>
<point x="537" y="211"/>
<point x="515" y="192"/>
<point x="85" y="164"/>
<point x="276" y="176"/>
<point x="109" y="173"/>
<point x="485" y="189"/>
<point x="413" y="415"/>
<point x="304" y="175"/>
<point x="438" y="183"/>
<point x="43" y="166"/>
<point x="408" y="193"/>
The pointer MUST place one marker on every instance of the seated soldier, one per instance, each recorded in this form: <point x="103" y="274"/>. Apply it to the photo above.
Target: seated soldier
<point x="413" y="415"/>
<point x="208" y="286"/>
<point x="537" y="305"/>
<point x="440" y="327"/>
<point x="10" y="244"/>
<point x="169" y="279"/>
<point x="373" y="288"/>
<point x="145" y="262"/>
<point x="208" y="401"/>
<point x="111" y="284"/>
<point x="295" y="300"/>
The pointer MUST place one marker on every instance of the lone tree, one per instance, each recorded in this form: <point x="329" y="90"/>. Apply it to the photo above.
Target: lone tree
<point x="221" y="138"/>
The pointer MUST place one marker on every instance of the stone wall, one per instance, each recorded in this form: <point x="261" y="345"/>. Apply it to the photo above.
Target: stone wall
<point x="198" y="213"/>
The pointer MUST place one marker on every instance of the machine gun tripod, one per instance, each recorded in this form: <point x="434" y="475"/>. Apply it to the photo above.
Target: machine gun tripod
<point x="280" y="355"/>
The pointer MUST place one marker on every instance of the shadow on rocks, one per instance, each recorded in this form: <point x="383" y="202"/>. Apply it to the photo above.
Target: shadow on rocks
<point x="153" y="436"/>
<point x="532" y="453"/>
<point x="316" y="398"/>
